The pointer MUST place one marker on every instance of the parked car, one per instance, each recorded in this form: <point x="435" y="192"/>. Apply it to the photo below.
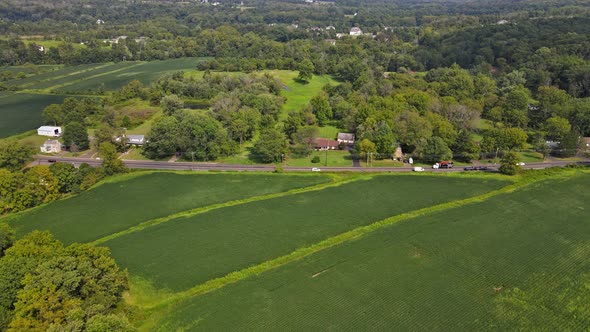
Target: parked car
<point x="418" y="169"/>
<point x="315" y="169"/>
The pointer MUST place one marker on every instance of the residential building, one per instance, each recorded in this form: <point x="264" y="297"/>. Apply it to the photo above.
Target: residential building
<point x="326" y="144"/>
<point x="51" y="146"/>
<point x="356" y="31"/>
<point x="346" y="138"/>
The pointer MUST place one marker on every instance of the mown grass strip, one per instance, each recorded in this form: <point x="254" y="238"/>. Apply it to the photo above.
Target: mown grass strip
<point x="356" y="233"/>
<point x="185" y="214"/>
<point x="65" y="75"/>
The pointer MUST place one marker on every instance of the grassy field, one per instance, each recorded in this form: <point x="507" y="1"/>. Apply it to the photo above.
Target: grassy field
<point x="514" y="262"/>
<point x="221" y="241"/>
<point x="116" y="206"/>
<point x="299" y="94"/>
<point x="20" y="112"/>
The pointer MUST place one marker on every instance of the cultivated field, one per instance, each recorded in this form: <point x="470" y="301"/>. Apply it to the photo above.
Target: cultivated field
<point x="145" y="72"/>
<point x="347" y="252"/>
<point x="20" y="112"/>
<point x="116" y="206"/>
<point x="516" y="261"/>
<point x="230" y="239"/>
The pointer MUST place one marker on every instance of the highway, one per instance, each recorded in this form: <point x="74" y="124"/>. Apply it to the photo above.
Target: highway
<point x="201" y="166"/>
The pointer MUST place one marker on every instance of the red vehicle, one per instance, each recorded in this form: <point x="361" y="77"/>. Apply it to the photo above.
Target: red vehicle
<point x="445" y="164"/>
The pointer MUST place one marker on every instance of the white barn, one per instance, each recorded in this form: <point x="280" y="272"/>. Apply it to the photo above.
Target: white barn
<point x="49" y="131"/>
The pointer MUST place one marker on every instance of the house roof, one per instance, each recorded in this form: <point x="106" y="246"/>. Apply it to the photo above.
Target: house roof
<point x="52" y="128"/>
<point x="135" y="138"/>
<point x="355" y="29"/>
<point x="325" y="142"/>
<point x="346" y="136"/>
<point x="51" y="142"/>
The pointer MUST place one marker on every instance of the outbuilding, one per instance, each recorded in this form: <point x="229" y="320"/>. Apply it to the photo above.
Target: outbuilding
<point x="49" y="131"/>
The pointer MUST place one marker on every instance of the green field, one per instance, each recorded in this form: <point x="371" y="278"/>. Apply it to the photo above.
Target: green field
<point x="116" y="206"/>
<point x="514" y="262"/>
<point x="336" y="158"/>
<point x="351" y="252"/>
<point x="145" y="73"/>
<point x="49" y="75"/>
<point x="21" y="112"/>
<point x="65" y="81"/>
<point x="299" y="94"/>
<point x="229" y="239"/>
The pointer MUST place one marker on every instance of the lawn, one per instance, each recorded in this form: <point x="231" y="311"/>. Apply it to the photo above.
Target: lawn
<point x="21" y="112"/>
<point x="336" y="158"/>
<point x="330" y="132"/>
<point x="299" y="94"/>
<point x="221" y="241"/>
<point x="514" y="262"/>
<point x="116" y="206"/>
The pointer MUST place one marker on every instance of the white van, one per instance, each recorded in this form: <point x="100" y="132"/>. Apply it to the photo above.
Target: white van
<point x="418" y="169"/>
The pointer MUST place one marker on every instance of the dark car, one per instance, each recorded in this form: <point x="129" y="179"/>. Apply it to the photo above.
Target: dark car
<point x="52" y="160"/>
<point x="469" y="168"/>
<point x="481" y="168"/>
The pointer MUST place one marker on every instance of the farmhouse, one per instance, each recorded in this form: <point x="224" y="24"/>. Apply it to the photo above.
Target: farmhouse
<point x="51" y="146"/>
<point x="326" y="144"/>
<point x="356" y="31"/>
<point x="346" y="138"/>
<point x="49" y="131"/>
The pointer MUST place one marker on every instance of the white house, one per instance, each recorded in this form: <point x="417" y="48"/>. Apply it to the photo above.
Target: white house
<point x="49" y="131"/>
<point x="356" y="31"/>
<point x="51" y="146"/>
<point x="117" y="39"/>
<point x="99" y="22"/>
<point x="502" y="22"/>
<point x="135" y="139"/>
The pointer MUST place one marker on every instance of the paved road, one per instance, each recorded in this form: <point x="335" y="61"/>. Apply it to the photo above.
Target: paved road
<point x="164" y="165"/>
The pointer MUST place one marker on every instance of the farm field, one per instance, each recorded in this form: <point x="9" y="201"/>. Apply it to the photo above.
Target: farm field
<point x="49" y="75"/>
<point x="21" y="112"/>
<point x="516" y="261"/>
<point x="144" y="72"/>
<point x="212" y="244"/>
<point x="64" y="82"/>
<point x="116" y="206"/>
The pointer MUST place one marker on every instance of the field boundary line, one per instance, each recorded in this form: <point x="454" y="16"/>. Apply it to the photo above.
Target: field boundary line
<point x="298" y="254"/>
<point x="204" y="209"/>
